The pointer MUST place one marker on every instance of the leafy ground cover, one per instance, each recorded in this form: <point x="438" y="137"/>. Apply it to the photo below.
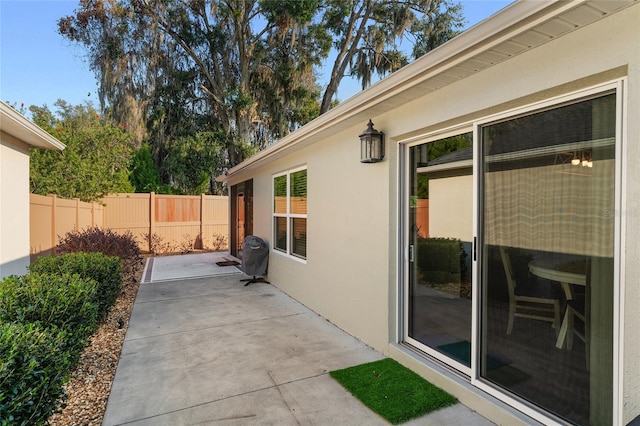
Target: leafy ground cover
<point x="393" y="391"/>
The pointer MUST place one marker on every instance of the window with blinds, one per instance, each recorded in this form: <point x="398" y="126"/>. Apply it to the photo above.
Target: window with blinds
<point x="290" y="213"/>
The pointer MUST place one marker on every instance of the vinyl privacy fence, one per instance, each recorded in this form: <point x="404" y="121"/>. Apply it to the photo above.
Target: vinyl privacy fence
<point x="158" y="222"/>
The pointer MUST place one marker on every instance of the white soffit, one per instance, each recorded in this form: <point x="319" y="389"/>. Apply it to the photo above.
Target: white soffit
<point x="16" y="125"/>
<point x="521" y="26"/>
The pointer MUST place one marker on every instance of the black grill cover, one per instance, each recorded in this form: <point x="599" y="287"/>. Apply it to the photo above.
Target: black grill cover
<point x="255" y="256"/>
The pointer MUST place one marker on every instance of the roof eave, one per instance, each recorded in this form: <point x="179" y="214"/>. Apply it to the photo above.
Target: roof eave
<point x="16" y="125"/>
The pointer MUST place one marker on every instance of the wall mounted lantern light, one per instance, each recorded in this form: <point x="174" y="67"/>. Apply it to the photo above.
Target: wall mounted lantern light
<point x="371" y="145"/>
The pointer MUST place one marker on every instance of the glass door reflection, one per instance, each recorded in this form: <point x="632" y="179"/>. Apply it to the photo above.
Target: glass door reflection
<point x="548" y="181"/>
<point x="440" y="239"/>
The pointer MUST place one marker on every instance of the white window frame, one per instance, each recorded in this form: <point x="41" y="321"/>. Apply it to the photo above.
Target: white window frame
<point x="617" y="87"/>
<point x="288" y="215"/>
<point x="426" y="139"/>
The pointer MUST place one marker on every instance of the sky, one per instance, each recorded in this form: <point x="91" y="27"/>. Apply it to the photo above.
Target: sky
<point x="38" y="66"/>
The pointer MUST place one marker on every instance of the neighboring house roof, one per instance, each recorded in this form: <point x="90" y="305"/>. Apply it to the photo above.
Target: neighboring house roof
<point x="15" y="124"/>
<point x="518" y="28"/>
<point x="453" y="157"/>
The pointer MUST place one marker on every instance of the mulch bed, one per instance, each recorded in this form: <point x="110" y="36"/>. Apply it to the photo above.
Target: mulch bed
<point x="88" y="389"/>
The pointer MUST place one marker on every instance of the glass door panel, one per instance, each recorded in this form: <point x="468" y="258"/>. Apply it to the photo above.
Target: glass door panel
<point x="547" y="197"/>
<point x="440" y="242"/>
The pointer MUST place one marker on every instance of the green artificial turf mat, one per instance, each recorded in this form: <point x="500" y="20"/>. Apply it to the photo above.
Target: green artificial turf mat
<point x="393" y="391"/>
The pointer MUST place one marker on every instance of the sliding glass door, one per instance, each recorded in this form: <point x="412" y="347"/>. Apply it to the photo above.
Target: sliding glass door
<point x="440" y="240"/>
<point x="548" y="197"/>
<point x="511" y="254"/>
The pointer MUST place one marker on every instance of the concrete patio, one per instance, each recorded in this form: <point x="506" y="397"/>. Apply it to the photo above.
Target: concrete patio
<point x="209" y="350"/>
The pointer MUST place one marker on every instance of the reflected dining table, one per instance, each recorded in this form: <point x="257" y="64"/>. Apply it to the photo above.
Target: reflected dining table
<point x="566" y="278"/>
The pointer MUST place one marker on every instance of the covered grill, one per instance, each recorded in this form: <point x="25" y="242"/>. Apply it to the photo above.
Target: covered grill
<point x="255" y="259"/>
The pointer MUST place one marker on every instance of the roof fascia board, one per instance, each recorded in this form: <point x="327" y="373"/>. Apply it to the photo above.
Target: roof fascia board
<point x="15" y="124"/>
<point x="516" y="18"/>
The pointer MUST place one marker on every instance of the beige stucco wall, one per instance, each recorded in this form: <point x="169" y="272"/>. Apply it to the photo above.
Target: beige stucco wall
<point x="451" y="207"/>
<point x="345" y="278"/>
<point x="351" y="273"/>
<point x="14" y="206"/>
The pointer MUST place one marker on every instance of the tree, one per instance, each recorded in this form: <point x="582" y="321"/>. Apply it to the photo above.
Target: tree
<point x="96" y="158"/>
<point x="230" y="57"/>
<point x="367" y="35"/>
<point x="144" y="176"/>
<point x="247" y="67"/>
<point x="443" y="22"/>
<point x="195" y="162"/>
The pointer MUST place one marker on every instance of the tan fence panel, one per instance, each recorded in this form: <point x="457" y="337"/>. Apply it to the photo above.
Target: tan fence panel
<point x="129" y="212"/>
<point x="86" y="216"/>
<point x="179" y="236"/>
<point x="98" y="215"/>
<point x="43" y="238"/>
<point x="66" y="216"/>
<point x="215" y="222"/>
<point x="52" y="218"/>
<point x="172" y="222"/>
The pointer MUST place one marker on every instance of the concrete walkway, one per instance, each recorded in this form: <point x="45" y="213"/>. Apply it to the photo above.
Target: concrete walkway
<point x="209" y="350"/>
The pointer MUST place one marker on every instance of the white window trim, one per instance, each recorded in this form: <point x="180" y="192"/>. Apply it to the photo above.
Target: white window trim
<point x="288" y="215"/>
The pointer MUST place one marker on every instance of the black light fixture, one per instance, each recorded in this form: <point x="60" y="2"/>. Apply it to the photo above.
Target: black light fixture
<point x="371" y="145"/>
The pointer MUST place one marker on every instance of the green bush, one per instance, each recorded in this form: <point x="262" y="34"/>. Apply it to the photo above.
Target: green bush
<point x="441" y="260"/>
<point x="64" y="301"/>
<point x="34" y="365"/>
<point x="105" y="270"/>
<point x="105" y="241"/>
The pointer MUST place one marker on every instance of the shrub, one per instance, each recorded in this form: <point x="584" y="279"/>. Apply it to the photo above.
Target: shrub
<point x="105" y="270"/>
<point x="157" y="245"/>
<point x="64" y="301"/>
<point x="441" y="260"/>
<point x="107" y="242"/>
<point x="220" y="242"/>
<point x="34" y="366"/>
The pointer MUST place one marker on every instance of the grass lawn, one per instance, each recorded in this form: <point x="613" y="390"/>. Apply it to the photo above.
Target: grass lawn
<point x="393" y="391"/>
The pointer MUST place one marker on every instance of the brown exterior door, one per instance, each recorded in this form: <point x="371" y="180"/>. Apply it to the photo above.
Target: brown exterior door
<point x="241" y="215"/>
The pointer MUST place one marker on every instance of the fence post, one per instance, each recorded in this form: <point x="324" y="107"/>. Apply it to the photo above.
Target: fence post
<point x="152" y="216"/>
<point x="93" y="214"/>
<point x="76" y="225"/>
<point x="202" y="221"/>
<point x="53" y="223"/>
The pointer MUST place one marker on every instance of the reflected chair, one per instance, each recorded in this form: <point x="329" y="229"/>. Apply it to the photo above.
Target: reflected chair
<point x="528" y="300"/>
<point x="578" y="308"/>
<point x="575" y="309"/>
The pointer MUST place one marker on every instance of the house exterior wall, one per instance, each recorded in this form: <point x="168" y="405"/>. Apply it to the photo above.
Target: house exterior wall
<point x="584" y="58"/>
<point x="14" y="206"/>
<point x="346" y="274"/>
<point x="351" y="273"/>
